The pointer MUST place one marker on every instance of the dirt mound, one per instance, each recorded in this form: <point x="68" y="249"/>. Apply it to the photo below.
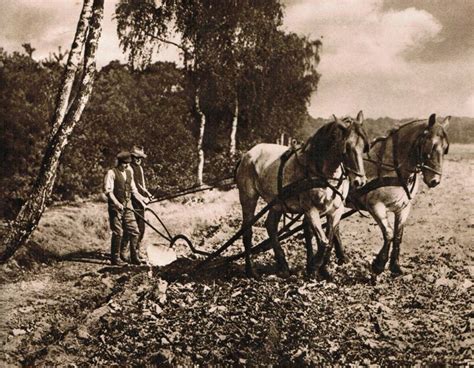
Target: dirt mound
<point x="145" y="318"/>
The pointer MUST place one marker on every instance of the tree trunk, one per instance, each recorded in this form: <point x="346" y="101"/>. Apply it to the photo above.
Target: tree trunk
<point x="72" y="64"/>
<point x="233" y="132"/>
<point x="200" y="148"/>
<point x="28" y="218"/>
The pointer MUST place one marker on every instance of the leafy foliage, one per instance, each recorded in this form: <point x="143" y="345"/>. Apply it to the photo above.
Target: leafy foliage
<point x="27" y="91"/>
<point x="233" y="52"/>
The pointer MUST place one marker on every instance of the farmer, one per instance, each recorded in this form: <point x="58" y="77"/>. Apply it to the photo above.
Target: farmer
<point x="138" y="155"/>
<point x="120" y="188"/>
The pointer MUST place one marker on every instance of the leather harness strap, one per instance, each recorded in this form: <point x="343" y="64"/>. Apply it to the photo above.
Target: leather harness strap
<point x="283" y="159"/>
<point x="382" y="181"/>
<point x="383" y="145"/>
<point x="396" y="164"/>
<point x="302" y="185"/>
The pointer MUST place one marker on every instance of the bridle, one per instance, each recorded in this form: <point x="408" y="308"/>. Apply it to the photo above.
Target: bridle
<point x="346" y="168"/>
<point x="420" y="156"/>
<point x="416" y="151"/>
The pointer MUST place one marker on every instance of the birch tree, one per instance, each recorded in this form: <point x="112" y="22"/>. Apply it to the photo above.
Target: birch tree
<point x="209" y="34"/>
<point x="80" y="69"/>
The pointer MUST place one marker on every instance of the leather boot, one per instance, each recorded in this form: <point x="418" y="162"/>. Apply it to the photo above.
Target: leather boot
<point x="123" y="248"/>
<point x="114" y="253"/>
<point x="134" y="256"/>
<point x="140" y="255"/>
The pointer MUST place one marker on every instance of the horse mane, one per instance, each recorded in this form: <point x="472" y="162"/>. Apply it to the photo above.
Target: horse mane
<point x="324" y="143"/>
<point x="393" y="130"/>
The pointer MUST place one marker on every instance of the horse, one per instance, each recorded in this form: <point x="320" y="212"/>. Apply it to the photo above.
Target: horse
<point x="392" y="166"/>
<point x="312" y="180"/>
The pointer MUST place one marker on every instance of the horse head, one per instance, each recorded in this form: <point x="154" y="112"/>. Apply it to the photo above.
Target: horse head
<point x="433" y="145"/>
<point x="354" y="144"/>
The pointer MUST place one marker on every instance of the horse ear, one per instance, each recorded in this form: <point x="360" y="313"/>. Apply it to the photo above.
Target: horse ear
<point x="360" y="117"/>
<point x="339" y="122"/>
<point x="431" y="120"/>
<point x="445" y="123"/>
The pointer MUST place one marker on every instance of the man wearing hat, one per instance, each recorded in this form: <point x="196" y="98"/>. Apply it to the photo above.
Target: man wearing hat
<point x="137" y="154"/>
<point x="120" y="188"/>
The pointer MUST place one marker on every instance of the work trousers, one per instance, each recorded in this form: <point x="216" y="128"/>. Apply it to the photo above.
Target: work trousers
<point x="139" y="217"/>
<point x="123" y="222"/>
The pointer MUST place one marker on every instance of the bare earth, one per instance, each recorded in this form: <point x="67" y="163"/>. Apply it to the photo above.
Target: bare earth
<point x="67" y="306"/>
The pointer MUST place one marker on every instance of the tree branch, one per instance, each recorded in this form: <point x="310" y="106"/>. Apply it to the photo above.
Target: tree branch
<point x="184" y="49"/>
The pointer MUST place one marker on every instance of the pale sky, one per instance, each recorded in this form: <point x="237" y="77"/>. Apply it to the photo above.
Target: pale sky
<point x="397" y="58"/>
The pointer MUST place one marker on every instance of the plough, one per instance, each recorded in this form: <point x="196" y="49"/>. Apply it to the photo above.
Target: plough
<point x="284" y="233"/>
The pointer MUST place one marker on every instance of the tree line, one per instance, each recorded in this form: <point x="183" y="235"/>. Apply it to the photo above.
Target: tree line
<point x="242" y="81"/>
<point x="461" y="129"/>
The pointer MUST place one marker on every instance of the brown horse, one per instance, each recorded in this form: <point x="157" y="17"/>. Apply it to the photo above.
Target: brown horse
<point x="268" y="170"/>
<point x="392" y="165"/>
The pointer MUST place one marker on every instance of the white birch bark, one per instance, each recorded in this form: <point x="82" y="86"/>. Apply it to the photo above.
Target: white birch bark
<point x="200" y="148"/>
<point x="233" y="132"/>
<point x="74" y="59"/>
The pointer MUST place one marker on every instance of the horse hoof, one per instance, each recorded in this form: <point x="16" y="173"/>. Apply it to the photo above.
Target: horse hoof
<point x="310" y="275"/>
<point x="324" y="275"/>
<point x="373" y="280"/>
<point x="396" y="270"/>
<point x="377" y="268"/>
<point x="341" y="261"/>
<point x="310" y="272"/>
<point x="252" y="274"/>
<point x="284" y="274"/>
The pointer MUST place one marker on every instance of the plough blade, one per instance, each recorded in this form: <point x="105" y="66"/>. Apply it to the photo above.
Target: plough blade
<point x="160" y="255"/>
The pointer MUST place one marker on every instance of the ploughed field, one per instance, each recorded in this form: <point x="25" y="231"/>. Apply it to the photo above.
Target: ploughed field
<point x="62" y="303"/>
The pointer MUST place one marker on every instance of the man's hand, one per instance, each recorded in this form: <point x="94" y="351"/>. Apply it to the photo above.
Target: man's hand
<point x="119" y="206"/>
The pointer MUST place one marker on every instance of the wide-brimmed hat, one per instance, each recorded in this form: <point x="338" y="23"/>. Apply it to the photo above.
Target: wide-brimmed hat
<point x="124" y="157"/>
<point x="138" y="152"/>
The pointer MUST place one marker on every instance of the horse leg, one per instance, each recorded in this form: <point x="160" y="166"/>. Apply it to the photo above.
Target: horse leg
<point x="379" y="213"/>
<point x="308" y="237"/>
<point x="340" y="254"/>
<point x="317" y="260"/>
<point x="332" y="221"/>
<point x="400" y="219"/>
<point x="271" y="224"/>
<point x="248" y="211"/>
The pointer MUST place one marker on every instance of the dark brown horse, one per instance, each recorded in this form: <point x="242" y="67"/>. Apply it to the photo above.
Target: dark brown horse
<point x="392" y="166"/>
<point x="335" y="149"/>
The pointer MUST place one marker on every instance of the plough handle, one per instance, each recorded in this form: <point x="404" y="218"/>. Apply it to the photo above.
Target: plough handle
<point x="161" y="222"/>
<point x="149" y="224"/>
